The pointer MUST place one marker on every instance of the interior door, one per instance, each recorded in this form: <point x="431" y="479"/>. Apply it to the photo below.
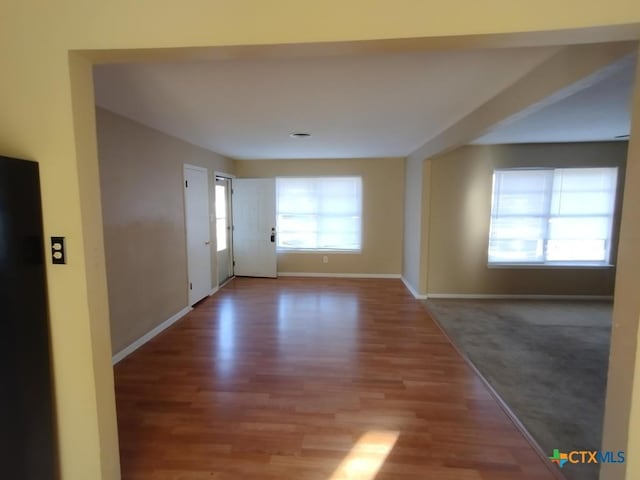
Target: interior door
<point x="27" y="448"/>
<point x="254" y="222"/>
<point x="223" y="229"/>
<point x="196" y="200"/>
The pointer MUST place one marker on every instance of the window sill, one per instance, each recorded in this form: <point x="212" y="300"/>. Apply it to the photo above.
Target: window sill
<point x="317" y="251"/>
<point x="560" y="265"/>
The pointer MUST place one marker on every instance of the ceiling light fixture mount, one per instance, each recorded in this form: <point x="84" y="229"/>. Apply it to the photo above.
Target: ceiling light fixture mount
<point x="299" y="135"/>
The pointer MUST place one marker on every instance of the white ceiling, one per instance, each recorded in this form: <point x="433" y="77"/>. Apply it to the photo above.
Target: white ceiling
<point x="382" y="105"/>
<point x="600" y="112"/>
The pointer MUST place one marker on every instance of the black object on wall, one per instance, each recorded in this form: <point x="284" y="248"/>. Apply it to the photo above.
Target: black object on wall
<point x="27" y="441"/>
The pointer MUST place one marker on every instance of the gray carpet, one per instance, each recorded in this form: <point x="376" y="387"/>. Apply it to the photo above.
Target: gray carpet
<point x="546" y="359"/>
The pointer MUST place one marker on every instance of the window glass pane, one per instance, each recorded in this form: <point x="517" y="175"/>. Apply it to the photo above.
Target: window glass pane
<point x="584" y="191"/>
<point x="319" y="213"/>
<point x="514" y="228"/>
<point x="339" y="232"/>
<point x="515" y="250"/>
<point x="296" y="196"/>
<point x="221" y="234"/>
<point x="221" y="217"/>
<point x="572" y="203"/>
<point x="576" y="250"/>
<point x="296" y="223"/>
<point x="578" y="228"/>
<point x="521" y="192"/>
<point x="221" y="202"/>
<point x="533" y="203"/>
<point x="586" y="179"/>
<point x="297" y="240"/>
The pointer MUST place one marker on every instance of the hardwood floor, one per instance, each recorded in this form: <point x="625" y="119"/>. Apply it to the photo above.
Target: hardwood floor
<point x="318" y="379"/>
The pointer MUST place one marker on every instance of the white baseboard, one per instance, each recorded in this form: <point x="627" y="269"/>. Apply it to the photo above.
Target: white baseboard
<point x="482" y="296"/>
<point x="213" y="290"/>
<point x="149" y="335"/>
<point x="413" y="291"/>
<point x="225" y="282"/>
<point x="339" y="275"/>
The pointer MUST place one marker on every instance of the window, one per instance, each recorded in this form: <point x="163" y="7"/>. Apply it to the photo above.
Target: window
<point x="323" y="213"/>
<point x="221" y="217"/>
<point x="552" y="216"/>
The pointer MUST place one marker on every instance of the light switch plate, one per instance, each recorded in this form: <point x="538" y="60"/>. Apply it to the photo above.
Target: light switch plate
<point x="58" y="255"/>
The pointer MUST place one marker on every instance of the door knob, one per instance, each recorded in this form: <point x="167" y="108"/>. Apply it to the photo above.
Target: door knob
<point x="207" y="242"/>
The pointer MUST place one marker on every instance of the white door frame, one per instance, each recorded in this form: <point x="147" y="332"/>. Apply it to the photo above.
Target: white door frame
<point x="230" y="176"/>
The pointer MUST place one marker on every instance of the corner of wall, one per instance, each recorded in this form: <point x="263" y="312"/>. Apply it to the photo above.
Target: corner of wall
<point x="423" y="278"/>
<point x="412" y="221"/>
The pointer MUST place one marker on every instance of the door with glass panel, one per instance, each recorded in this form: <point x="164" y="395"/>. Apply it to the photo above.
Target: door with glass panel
<point x="223" y="229"/>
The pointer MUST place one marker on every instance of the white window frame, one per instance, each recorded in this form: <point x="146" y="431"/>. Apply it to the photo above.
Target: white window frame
<point x="548" y="215"/>
<point x="285" y="249"/>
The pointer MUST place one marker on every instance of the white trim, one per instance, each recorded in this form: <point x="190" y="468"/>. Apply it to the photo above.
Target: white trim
<point x="550" y="265"/>
<point x="318" y="251"/>
<point x="230" y="177"/>
<point x="218" y="173"/>
<point x="149" y="335"/>
<point x="213" y="290"/>
<point x="225" y="282"/>
<point x="413" y="291"/>
<point x="339" y="275"/>
<point x="482" y="296"/>
<point x="196" y="167"/>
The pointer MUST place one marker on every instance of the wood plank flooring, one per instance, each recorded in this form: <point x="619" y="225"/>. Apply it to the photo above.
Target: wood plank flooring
<point x="312" y="379"/>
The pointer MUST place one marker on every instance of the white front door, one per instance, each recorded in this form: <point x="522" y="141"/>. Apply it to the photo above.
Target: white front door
<point x="196" y="201"/>
<point x="254" y="221"/>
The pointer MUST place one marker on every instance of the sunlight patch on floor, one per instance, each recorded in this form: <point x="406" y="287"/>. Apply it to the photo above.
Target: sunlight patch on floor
<point x="367" y="456"/>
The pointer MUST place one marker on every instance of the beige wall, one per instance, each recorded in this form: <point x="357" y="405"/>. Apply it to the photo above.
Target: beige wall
<point x="141" y="176"/>
<point x="459" y="206"/>
<point x="382" y="212"/>
<point x="622" y="408"/>
<point x="47" y="49"/>
<point x="412" y="252"/>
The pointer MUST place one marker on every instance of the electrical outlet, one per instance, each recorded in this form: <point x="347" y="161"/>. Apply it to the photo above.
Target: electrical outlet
<point x="325" y="259"/>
